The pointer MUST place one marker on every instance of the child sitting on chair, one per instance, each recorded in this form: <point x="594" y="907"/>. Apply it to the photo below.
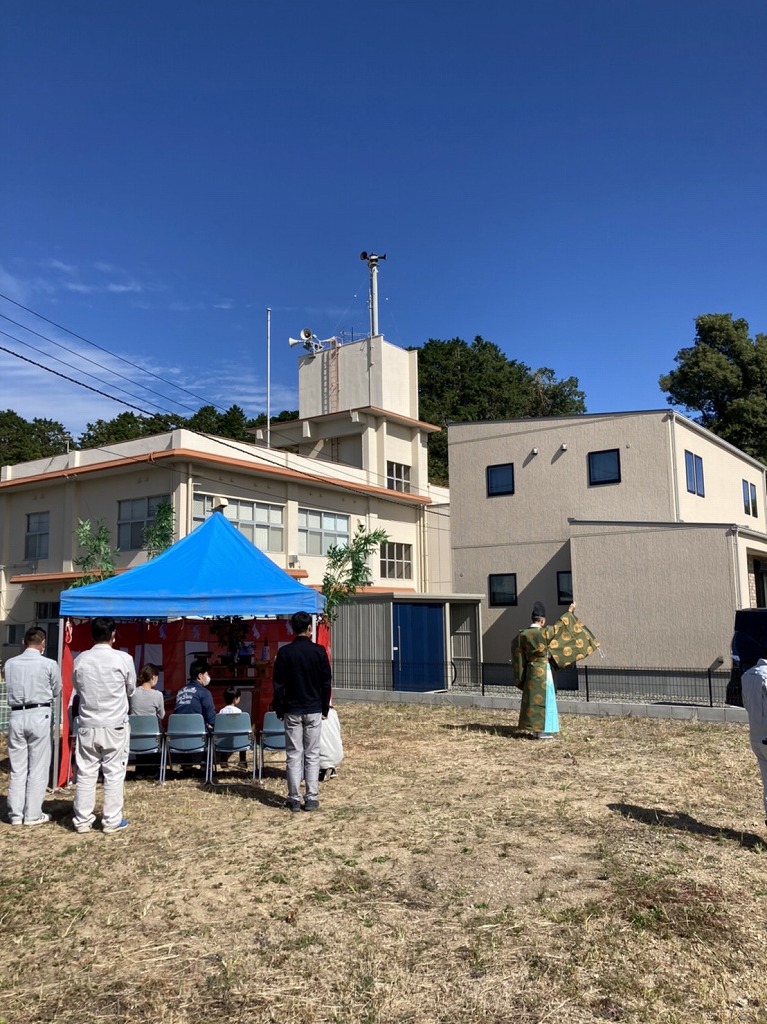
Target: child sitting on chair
<point x="232" y="696"/>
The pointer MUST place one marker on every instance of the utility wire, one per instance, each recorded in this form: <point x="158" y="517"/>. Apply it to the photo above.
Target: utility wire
<point x="91" y="375"/>
<point x="64" y="376"/>
<point x="74" y="334"/>
<point x="87" y="359"/>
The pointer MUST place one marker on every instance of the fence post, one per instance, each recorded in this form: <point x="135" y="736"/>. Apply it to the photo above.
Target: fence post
<point x="710" y="689"/>
<point x="586" y="679"/>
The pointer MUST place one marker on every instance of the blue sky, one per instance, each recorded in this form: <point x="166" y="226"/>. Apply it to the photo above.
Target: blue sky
<point x="575" y="181"/>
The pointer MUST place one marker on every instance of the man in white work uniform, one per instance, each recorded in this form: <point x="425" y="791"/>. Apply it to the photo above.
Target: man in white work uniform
<point x="33" y="682"/>
<point x="104" y="679"/>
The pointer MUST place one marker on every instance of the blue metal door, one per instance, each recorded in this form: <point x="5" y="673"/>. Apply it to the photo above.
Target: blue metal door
<point x="419" y="647"/>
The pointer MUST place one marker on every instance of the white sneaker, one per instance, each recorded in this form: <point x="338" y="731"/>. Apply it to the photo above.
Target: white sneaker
<point x="44" y="819"/>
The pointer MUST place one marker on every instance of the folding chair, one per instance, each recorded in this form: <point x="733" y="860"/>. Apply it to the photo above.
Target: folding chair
<point x="187" y="738"/>
<point x="271" y="737"/>
<point x="146" y="740"/>
<point x="231" y="735"/>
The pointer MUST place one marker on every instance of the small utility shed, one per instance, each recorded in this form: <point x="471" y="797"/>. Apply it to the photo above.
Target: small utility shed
<point x="416" y="642"/>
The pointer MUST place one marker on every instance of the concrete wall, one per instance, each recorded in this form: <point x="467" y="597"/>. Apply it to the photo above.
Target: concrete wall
<point x="371" y="372"/>
<point x="656" y="595"/>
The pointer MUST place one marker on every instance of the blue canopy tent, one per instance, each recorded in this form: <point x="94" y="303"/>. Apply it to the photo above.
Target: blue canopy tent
<point x="213" y="571"/>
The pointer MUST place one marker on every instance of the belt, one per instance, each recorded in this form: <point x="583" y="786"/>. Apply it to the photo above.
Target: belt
<point x="25" y="707"/>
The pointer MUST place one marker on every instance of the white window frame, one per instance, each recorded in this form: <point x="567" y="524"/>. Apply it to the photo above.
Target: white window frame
<point x="261" y="522"/>
<point x="319" y="530"/>
<point x="398" y="477"/>
<point x="396" y="561"/>
<point x="36" y="540"/>
<point x="137" y="518"/>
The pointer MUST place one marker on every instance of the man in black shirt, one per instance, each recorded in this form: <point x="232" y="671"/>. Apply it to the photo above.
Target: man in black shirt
<point x="301" y="680"/>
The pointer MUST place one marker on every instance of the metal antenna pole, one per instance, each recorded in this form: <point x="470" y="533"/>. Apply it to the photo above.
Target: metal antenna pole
<point x="372" y="262"/>
<point x="268" y="377"/>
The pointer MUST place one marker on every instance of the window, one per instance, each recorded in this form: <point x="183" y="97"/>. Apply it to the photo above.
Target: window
<point x="318" y="531"/>
<point x="36" y="540"/>
<point x="749" y="498"/>
<point x="604" y="467"/>
<point x="14" y="634"/>
<point x="397" y="561"/>
<point x="502" y="589"/>
<point x="261" y="523"/>
<point x="133" y="517"/>
<point x="693" y="467"/>
<point x="500" y="479"/>
<point x="565" y="587"/>
<point x="397" y="477"/>
<point x="47" y="617"/>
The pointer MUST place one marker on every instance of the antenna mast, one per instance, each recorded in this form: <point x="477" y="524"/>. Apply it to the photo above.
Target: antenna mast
<point x="372" y="261"/>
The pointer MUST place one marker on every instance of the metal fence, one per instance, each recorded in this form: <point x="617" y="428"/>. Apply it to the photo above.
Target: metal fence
<point x="698" y="686"/>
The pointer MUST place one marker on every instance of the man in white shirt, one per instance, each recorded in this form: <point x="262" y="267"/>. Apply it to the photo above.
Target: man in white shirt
<point x="104" y="680"/>
<point x="754" y="684"/>
<point x="34" y="681"/>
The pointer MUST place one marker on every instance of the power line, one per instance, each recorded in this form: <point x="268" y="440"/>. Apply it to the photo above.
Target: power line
<point x="87" y="359"/>
<point x="64" y="376"/>
<point x="135" y="366"/>
<point x="93" y="376"/>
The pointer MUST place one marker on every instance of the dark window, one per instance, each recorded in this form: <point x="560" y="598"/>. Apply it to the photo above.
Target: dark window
<point x="36" y="540"/>
<point x="396" y="561"/>
<point x="565" y="587"/>
<point x="693" y="468"/>
<point x="749" y="499"/>
<point x="502" y="588"/>
<point x="397" y="477"/>
<point x="500" y="480"/>
<point x="605" y="467"/>
<point x="134" y="515"/>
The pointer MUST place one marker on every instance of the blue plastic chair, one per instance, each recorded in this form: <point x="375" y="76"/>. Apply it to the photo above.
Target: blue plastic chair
<point x="146" y="739"/>
<point x="231" y="735"/>
<point x="271" y="737"/>
<point x="187" y="738"/>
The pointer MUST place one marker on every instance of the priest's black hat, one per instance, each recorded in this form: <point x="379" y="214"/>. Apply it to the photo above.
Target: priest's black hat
<point x="539" y="611"/>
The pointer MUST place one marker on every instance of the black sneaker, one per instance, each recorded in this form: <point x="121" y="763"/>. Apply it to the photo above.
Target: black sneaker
<point x="293" y="805"/>
<point x="311" y="805"/>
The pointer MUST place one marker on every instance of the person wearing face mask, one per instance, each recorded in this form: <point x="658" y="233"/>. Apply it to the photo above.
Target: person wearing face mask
<point x="195" y="698"/>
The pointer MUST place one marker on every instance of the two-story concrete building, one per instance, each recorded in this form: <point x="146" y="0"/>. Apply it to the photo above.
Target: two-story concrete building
<point x="356" y="455"/>
<point x="654" y="525"/>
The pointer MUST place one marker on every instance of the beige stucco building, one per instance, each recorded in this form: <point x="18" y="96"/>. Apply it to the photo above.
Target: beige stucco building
<point x="341" y="464"/>
<point x="653" y="524"/>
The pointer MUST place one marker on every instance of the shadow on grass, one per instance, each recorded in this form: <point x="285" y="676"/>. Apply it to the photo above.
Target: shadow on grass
<point x="511" y="732"/>
<point x="686" y="823"/>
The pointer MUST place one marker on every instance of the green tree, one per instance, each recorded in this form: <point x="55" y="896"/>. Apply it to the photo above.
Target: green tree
<point x="158" y="535"/>
<point x="97" y="562"/>
<point x="722" y="378"/>
<point x="128" y="426"/>
<point x="461" y="382"/>
<point x="23" y="440"/>
<point x="205" y="421"/>
<point x="232" y="423"/>
<point x="347" y="569"/>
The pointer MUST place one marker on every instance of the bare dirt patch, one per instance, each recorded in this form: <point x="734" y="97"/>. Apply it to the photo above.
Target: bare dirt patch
<point x="457" y="872"/>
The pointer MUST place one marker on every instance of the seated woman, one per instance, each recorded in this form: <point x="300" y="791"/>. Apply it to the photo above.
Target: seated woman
<point x="145" y="699"/>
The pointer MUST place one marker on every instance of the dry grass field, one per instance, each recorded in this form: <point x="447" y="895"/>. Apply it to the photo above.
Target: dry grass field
<point x="457" y="872"/>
